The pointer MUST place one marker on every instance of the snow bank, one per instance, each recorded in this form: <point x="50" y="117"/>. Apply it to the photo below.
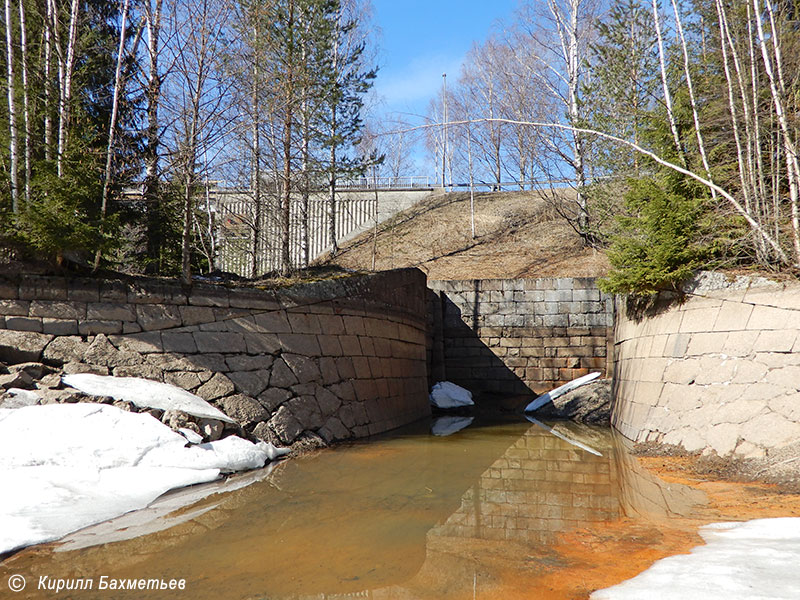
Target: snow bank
<point x="66" y="466"/>
<point x="540" y="401"/>
<point x="752" y="560"/>
<point x="449" y="395"/>
<point x="145" y="393"/>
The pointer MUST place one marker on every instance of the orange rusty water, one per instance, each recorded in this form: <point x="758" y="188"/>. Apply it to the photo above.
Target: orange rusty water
<point x="501" y="510"/>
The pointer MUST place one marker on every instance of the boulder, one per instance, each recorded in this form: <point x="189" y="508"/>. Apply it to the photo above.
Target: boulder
<point x="22" y="346"/>
<point x="244" y="409"/>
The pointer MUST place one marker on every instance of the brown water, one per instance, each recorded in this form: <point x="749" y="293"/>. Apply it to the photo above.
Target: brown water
<point x="498" y="510"/>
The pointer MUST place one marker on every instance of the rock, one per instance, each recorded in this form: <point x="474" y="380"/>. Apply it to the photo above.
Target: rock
<point x="285" y="425"/>
<point x="19" y="379"/>
<point x="174" y="419"/>
<point x="51" y="381"/>
<point x="211" y="429"/>
<point x="306" y="410"/>
<point x="273" y="397"/>
<point x="102" y="352"/>
<point x="78" y="367"/>
<point x="304" y="368"/>
<point x="282" y="376"/>
<point x="126" y="406"/>
<point x="328" y="402"/>
<point x="65" y="349"/>
<point x="216" y="387"/>
<point x="590" y="403"/>
<point x="35" y="369"/>
<point x="264" y="433"/>
<point x="334" y="430"/>
<point x="22" y="346"/>
<point x="308" y="441"/>
<point x="69" y="395"/>
<point x="251" y="383"/>
<point x="244" y="409"/>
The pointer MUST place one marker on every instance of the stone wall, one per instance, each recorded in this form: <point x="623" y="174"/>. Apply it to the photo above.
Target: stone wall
<point x="519" y="336"/>
<point x="720" y="372"/>
<point x="337" y="359"/>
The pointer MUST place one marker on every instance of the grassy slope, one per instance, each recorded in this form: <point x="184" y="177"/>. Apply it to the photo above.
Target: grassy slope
<point x="518" y="234"/>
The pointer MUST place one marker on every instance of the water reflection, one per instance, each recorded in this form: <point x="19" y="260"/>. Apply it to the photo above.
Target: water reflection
<point x="410" y="515"/>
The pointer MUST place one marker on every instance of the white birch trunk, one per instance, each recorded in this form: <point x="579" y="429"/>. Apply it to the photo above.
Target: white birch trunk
<point x="665" y="84"/>
<point x="792" y="167"/>
<point x="26" y="119"/>
<point x="12" y="111"/>
<point x="66" y="92"/>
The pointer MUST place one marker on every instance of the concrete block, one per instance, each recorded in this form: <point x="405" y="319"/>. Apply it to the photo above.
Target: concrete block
<point x="778" y="340"/>
<point x="24" y="323"/>
<point x="157" y="316"/>
<point x="698" y="320"/>
<point x="300" y="343"/>
<point x="219" y="341"/>
<point x="706" y="343"/>
<point x="768" y="317"/>
<point x="34" y="287"/>
<point x="740" y="343"/>
<point x="60" y="326"/>
<point x="143" y="343"/>
<point x="14" y="307"/>
<point x="732" y="316"/>
<point x="182" y="343"/>
<point x="105" y="311"/>
<point x="770" y="430"/>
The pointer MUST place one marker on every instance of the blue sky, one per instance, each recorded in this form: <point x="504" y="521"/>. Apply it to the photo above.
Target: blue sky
<point x="422" y="39"/>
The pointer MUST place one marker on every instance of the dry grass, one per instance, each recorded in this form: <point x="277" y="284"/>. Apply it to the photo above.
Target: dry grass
<point x="517" y="234"/>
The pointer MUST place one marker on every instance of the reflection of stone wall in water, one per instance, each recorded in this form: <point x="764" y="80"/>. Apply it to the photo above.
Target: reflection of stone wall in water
<point x="339" y="358"/>
<point x="539" y="487"/>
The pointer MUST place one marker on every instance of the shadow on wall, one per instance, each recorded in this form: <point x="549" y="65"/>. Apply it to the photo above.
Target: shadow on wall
<point x="517" y="337"/>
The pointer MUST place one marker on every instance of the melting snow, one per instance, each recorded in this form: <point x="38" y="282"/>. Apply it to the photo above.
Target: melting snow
<point x="754" y="560"/>
<point x="145" y="393"/>
<point x="449" y="395"/>
<point x="66" y="466"/>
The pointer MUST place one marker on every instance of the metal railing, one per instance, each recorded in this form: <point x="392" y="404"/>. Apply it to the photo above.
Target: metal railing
<point x="386" y="183"/>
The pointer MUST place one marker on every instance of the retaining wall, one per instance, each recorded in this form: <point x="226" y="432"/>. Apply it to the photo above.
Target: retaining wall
<point x="339" y="358"/>
<point x="518" y="336"/>
<point x="720" y="372"/>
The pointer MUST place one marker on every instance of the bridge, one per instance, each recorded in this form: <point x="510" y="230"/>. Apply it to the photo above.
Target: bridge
<point x="360" y="204"/>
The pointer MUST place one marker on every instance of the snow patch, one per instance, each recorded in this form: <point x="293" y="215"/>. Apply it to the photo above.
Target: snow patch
<point x="145" y="393"/>
<point x="540" y="401"/>
<point x="754" y="560"/>
<point x="449" y="395"/>
<point x="66" y="466"/>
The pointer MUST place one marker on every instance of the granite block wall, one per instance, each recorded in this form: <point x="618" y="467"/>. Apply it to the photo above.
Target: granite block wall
<point x="718" y="373"/>
<point x="519" y="336"/>
<point x="337" y="359"/>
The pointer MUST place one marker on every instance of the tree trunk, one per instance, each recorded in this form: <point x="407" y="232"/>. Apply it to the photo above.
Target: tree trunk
<point x="112" y="126"/>
<point x="150" y="185"/>
<point x="25" y="101"/>
<point x="12" y="111"/>
<point x="66" y="92"/>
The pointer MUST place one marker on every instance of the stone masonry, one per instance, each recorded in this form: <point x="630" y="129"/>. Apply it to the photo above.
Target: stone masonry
<point x="518" y="336"/>
<point x="333" y="359"/>
<point x="718" y="373"/>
